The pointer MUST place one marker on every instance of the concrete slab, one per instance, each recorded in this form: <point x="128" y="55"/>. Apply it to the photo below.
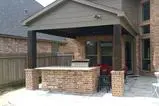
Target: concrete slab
<point x="138" y="91"/>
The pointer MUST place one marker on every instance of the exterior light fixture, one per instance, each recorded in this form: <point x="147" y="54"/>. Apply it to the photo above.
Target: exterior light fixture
<point x="97" y="16"/>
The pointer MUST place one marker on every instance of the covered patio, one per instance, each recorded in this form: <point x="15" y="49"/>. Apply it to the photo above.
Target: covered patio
<point x="95" y="23"/>
<point x="137" y="92"/>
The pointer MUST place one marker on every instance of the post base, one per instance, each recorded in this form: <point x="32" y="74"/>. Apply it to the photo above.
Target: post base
<point x="31" y="79"/>
<point x="117" y="83"/>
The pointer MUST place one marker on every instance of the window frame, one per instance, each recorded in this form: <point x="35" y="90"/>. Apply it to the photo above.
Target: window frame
<point x="106" y="55"/>
<point x="147" y="31"/>
<point x="148" y="59"/>
<point x="88" y="56"/>
<point x="143" y="2"/>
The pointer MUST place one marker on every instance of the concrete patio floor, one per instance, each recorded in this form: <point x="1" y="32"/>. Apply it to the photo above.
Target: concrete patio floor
<point x="138" y="91"/>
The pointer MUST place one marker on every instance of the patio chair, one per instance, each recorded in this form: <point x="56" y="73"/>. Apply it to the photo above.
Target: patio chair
<point x="125" y="73"/>
<point x="156" y="85"/>
<point x="155" y="89"/>
<point x="103" y="69"/>
<point x="104" y="82"/>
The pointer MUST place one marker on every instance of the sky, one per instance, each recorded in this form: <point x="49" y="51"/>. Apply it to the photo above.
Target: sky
<point x="45" y="2"/>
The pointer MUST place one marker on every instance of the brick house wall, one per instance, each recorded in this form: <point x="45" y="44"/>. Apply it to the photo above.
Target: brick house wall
<point x="154" y="38"/>
<point x="19" y="45"/>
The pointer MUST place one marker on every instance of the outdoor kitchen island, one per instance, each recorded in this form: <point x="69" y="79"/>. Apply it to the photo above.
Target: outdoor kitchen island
<point x="70" y="79"/>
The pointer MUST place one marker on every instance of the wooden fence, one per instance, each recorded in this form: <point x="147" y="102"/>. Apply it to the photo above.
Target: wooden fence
<point x="12" y="66"/>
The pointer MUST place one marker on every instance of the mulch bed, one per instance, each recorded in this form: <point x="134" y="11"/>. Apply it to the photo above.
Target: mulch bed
<point x="9" y="88"/>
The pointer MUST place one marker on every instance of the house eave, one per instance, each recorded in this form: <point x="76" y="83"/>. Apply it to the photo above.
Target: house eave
<point x="134" y="31"/>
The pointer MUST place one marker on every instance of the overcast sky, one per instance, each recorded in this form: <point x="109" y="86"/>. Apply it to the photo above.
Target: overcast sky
<point x="45" y="2"/>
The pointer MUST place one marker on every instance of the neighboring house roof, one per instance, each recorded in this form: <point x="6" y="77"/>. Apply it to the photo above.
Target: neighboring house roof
<point x="13" y="12"/>
<point x="110" y="9"/>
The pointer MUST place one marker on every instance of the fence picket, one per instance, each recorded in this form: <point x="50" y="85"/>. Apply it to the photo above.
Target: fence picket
<point x="12" y="65"/>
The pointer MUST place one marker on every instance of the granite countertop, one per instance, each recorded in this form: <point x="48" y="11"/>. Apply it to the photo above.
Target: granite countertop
<point x="66" y="68"/>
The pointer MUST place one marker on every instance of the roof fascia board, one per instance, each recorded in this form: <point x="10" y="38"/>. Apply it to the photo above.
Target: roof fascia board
<point x="128" y="21"/>
<point x="127" y="26"/>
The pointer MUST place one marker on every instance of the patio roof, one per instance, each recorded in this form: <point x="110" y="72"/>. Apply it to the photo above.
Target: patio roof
<point x="115" y="17"/>
<point x="58" y="2"/>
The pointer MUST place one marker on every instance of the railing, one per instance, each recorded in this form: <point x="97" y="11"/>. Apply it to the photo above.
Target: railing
<point x="12" y="65"/>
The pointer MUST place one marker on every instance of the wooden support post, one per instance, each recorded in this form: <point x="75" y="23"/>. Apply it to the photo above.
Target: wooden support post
<point x="118" y="62"/>
<point x="117" y="48"/>
<point x="32" y="51"/>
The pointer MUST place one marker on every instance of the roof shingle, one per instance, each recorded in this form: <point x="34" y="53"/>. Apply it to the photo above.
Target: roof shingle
<point x="12" y="14"/>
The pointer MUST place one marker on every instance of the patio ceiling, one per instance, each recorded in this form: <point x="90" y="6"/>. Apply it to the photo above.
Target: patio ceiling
<point x="83" y="31"/>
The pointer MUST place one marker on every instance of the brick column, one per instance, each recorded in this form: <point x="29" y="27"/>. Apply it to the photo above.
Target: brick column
<point x="31" y="79"/>
<point x="118" y="62"/>
<point x="154" y="30"/>
<point x="117" y="83"/>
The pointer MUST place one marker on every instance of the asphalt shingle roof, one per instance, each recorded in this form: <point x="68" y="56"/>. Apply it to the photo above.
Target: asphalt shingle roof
<point x="12" y="14"/>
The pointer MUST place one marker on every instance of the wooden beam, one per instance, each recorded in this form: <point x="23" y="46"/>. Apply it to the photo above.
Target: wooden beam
<point x="56" y="33"/>
<point x="32" y="51"/>
<point x="117" y="48"/>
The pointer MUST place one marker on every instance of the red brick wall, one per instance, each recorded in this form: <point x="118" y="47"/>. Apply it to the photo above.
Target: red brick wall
<point x="67" y="80"/>
<point x="19" y="45"/>
<point x="154" y="38"/>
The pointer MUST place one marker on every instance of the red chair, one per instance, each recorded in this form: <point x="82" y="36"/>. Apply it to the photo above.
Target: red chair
<point x="109" y="70"/>
<point x="103" y="69"/>
<point x="104" y="78"/>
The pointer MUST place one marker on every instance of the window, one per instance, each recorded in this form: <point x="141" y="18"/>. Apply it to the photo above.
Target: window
<point x="146" y="29"/>
<point x="146" y="54"/>
<point x="99" y="50"/>
<point x="106" y="52"/>
<point x="91" y="52"/>
<point x="146" y="11"/>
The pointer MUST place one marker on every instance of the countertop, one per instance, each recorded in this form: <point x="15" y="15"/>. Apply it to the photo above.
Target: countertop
<point x="66" y="68"/>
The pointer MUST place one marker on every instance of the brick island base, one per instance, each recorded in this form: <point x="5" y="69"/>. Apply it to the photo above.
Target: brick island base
<point x="67" y="79"/>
